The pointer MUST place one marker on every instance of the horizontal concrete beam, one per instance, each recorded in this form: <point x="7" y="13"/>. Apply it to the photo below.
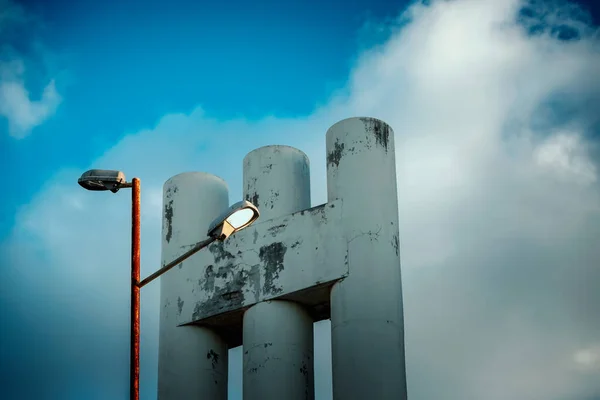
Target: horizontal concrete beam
<point x="291" y="257"/>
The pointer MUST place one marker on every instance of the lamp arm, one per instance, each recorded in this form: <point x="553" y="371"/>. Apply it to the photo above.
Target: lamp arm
<point x="197" y="247"/>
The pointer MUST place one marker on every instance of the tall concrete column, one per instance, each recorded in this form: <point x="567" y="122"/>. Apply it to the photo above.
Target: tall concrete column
<point x="278" y="335"/>
<point x="192" y="361"/>
<point x="367" y="324"/>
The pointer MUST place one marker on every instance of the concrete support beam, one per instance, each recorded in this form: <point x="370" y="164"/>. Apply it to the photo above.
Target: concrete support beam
<point x="366" y="307"/>
<point x="278" y="335"/>
<point x="192" y="361"/>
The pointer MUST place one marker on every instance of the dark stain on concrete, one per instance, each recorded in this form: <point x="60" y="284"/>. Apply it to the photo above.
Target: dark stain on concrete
<point x="336" y="155"/>
<point x="213" y="357"/>
<point x="168" y="211"/>
<point x="273" y="198"/>
<point x="272" y="257"/>
<point x="274" y="230"/>
<point x="179" y="305"/>
<point x="396" y="244"/>
<point x="252" y="197"/>
<point x="233" y="296"/>
<point x="379" y="129"/>
<point x="209" y="279"/>
<point x="218" y="251"/>
<point x="228" y="297"/>
<point x="319" y="211"/>
<point x="304" y="372"/>
<point x="296" y="244"/>
<point x="254" y="281"/>
<point x="169" y="220"/>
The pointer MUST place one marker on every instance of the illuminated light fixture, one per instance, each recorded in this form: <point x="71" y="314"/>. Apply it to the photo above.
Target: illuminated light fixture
<point x="235" y="218"/>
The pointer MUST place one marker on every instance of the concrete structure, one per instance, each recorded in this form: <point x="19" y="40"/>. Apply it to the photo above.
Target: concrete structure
<point x="367" y="327"/>
<point x="277" y="335"/>
<point x="266" y="285"/>
<point x="192" y="360"/>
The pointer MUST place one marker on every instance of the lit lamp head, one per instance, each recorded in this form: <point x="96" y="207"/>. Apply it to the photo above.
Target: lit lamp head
<point x="235" y="218"/>
<point x="102" y="179"/>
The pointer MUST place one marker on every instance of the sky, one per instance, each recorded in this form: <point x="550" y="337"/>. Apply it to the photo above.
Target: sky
<point x="494" y="107"/>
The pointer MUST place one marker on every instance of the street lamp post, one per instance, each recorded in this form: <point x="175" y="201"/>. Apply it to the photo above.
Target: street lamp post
<point x="237" y="217"/>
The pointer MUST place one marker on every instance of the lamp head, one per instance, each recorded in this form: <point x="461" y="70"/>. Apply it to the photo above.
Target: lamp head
<point x="235" y="218"/>
<point x="102" y="179"/>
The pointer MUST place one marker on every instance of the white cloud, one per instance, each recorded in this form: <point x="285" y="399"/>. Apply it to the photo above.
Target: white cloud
<point x="21" y="110"/>
<point x="500" y="214"/>
<point x="588" y="358"/>
<point x="565" y="157"/>
<point x="16" y="105"/>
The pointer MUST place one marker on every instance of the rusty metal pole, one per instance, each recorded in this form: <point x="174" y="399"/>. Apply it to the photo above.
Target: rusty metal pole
<point x="134" y="362"/>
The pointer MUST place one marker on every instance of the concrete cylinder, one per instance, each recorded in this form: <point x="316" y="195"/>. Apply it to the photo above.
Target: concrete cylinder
<point x="277" y="180"/>
<point x="367" y="325"/>
<point x="278" y="335"/>
<point x="192" y="361"/>
<point x="278" y="352"/>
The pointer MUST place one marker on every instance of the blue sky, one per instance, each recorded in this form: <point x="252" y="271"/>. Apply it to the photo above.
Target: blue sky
<point x="124" y="65"/>
<point x="497" y="157"/>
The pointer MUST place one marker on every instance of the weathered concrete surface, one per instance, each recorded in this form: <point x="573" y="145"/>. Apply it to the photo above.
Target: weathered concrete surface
<point x="270" y="259"/>
<point x="278" y="343"/>
<point x="278" y="352"/>
<point x="192" y="360"/>
<point x="366" y="307"/>
<point x="271" y="280"/>
<point x="277" y="180"/>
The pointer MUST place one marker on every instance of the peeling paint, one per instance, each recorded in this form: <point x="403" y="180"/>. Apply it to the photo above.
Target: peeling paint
<point x="169" y="220"/>
<point x="209" y="279"/>
<point x="336" y="155"/>
<point x="251" y="268"/>
<point x="213" y="357"/>
<point x="179" y="305"/>
<point x="219" y="252"/>
<point x="272" y="257"/>
<point x="254" y="278"/>
<point x="379" y="129"/>
<point x="231" y="294"/>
